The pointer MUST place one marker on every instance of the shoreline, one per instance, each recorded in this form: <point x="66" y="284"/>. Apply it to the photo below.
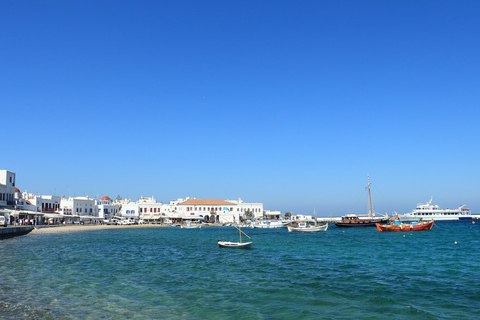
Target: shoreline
<point x="73" y="228"/>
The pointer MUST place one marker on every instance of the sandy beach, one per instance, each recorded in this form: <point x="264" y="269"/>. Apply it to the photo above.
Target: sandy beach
<point x="71" y="228"/>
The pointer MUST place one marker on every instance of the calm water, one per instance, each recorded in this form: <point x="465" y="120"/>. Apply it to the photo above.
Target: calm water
<point x="173" y="273"/>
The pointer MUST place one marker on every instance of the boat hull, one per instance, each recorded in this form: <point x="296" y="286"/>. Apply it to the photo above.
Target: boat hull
<point x="309" y="228"/>
<point x="235" y="245"/>
<point x="269" y="225"/>
<point x="360" y="224"/>
<point x="405" y="227"/>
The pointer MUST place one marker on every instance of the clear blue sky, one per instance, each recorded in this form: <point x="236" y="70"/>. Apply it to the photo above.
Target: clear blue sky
<point x="289" y="103"/>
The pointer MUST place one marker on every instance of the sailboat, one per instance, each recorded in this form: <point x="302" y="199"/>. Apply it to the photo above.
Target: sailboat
<point x="356" y="221"/>
<point x="305" y="227"/>
<point x="237" y="245"/>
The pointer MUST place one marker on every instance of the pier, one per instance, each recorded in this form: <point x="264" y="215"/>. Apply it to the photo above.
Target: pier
<point x="12" y="231"/>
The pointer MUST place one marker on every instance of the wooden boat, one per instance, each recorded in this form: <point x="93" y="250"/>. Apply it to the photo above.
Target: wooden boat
<point x="399" y="226"/>
<point x="236" y="245"/>
<point x="305" y="227"/>
<point x="355" y="221"/>
<point x="191" y="226"/>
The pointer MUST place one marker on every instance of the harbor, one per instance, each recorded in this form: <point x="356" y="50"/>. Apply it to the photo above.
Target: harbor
<point x="151" y="272"/>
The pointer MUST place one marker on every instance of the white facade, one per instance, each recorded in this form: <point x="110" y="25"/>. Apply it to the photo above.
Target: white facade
<point x="242" y="207"/>
<point x="43" y="203"/>
<point x="107" y="209"/>
<point x="130" y="210"/>
<point x="149" y="206"/>
<point x="7" y="187"/>
<point x="215" y="210"/>
<point x="79" y="206"/>
<point x="272" y="214"/>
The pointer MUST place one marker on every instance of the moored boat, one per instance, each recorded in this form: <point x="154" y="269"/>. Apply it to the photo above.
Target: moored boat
<point x="401" y="226"/>
<point x="305" y="227"/>
<point x="191" y="226"/>
<point x="429" y="211"/>
<point x="236" y="245"/>
<point x="270" y="224"/>
<point x="356" y="221"/>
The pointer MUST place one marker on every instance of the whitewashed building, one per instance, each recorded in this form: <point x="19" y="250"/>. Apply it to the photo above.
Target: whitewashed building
<point x="130" y="210"/>
<point x="149" y="206"/>
<point x="242" y="207"/>
<point x="7" y="187"/>
<point x="83" y="207"/>
<point x="272" y="214"/>
<point x="107" y="209"/>
<point x="216" y="210"/>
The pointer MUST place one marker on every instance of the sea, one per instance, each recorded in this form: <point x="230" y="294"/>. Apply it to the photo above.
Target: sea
<point x="174" y="273"/>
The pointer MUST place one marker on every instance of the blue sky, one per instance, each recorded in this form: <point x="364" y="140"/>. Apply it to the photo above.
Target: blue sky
<point x="289" y="103"/>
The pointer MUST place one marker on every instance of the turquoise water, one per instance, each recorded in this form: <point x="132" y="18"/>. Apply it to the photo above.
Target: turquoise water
<point x="173" y="273"/>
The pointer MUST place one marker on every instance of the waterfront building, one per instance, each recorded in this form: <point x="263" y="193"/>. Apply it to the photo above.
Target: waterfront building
<point x="107" y="209"/>
<point x="216" y="210"/>
<point x="130" y="210"/>
<point x="7" y="188"/>
<point x="83" y="208"/>
<point x="272" y="214"/>
<point x="149" y="206"/>
<point x="242" y="208"/>
<point x="43" y="203"/>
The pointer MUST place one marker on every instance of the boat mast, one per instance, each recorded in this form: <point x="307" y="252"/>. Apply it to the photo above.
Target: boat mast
<point x="370" y="214"/>
<point x="315" y="215"/>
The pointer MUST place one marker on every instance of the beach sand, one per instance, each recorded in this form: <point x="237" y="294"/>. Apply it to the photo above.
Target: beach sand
<point x="70" y="228"/>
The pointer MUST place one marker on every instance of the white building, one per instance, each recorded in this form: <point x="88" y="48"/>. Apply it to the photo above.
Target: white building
<point x="83" y="207"/>
<point x="272" y="214"/>
<point x="242" y="207"/>
<point x="43" y="203"/>
<point x="7" y="188"/>
<point x="216" y="210"/>
<point x="149" y="206"/>
<point x="107" y="209"/>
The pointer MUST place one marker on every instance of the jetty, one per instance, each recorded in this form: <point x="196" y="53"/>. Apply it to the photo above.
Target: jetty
<point x="12" y="231"/>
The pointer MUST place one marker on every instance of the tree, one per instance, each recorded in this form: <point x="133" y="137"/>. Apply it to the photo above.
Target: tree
<point x="288" y="215"/>
<point x="249" y="214"/>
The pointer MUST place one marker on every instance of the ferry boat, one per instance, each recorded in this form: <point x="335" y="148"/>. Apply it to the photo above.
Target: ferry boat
<point x="429" y="211"/>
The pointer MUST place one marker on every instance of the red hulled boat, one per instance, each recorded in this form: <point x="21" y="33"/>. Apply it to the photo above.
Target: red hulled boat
<point x="405" y="226"/>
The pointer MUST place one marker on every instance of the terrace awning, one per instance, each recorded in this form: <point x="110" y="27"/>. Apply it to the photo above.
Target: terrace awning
<point x="53" y="215"/>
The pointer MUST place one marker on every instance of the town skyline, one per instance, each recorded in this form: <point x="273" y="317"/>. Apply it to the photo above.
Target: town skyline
<point x="285" y="103"/>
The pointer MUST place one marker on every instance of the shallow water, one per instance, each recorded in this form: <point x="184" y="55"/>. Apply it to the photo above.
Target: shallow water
<point x="174" y="273"/>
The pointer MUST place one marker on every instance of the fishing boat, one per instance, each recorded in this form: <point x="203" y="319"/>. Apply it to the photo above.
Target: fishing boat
<point x="270" y="224"/>
<point x="237" y="245"/>
<point x="305" y="227"/>
<point x="191" y="226"/>
<point x="402" y="226"/>
<point x="356" y="221"/>
<point x="429" y="211"/>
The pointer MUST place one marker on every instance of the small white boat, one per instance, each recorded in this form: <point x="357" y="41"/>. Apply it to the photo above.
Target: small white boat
<point x="270" y="225"/>
<point x="305" y="227"/>
<point x="236" y="245"/>
<point x="190" y="226"/>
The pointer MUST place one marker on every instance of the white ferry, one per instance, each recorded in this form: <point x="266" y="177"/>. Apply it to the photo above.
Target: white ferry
<point x="428" y="211"/>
